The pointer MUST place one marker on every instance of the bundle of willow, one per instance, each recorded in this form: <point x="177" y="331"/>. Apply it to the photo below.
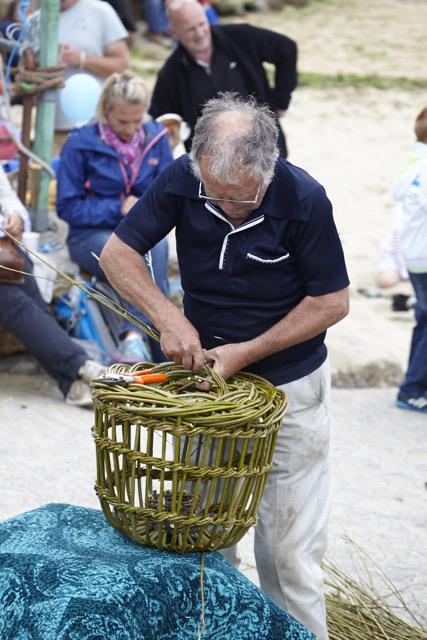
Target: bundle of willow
<point x="182" y="469"/>
<point x="357" y="611"/>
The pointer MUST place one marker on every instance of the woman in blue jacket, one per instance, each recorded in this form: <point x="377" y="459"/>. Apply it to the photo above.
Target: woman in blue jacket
<point x="105" y="167"/>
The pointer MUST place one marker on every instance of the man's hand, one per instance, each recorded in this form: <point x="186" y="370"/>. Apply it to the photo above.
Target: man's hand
<point x="180" y="342"/>
<point x="227" y="359"/>
<point x="70" y="55"/>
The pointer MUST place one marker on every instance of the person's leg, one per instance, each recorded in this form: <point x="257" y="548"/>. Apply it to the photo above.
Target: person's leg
<point x="281" y="141"/>
<point x="24" y="313"/>
<point x="291" y="535"/>
<point x="124" y="11"/>
<point x="415" y="382"/>
<point x="211" y="14"/>
<point x="155" y="15"/>
<point x="131" y="349"/>
<point x="83" y="247"/>
<point x="157" y="354"/>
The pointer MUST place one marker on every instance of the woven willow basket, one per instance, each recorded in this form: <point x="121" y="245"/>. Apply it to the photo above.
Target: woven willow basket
<point x="182" y="469"/>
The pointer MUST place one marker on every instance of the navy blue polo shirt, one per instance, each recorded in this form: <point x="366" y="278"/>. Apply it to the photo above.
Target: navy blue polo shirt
<point x="239" y="282"/>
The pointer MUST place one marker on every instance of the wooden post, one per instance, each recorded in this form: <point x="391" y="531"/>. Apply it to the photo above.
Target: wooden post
<point x="27" y="103"/>
<point x="45" y="116"/>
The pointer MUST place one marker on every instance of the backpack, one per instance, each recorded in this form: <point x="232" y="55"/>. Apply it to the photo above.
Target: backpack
<point x="90" y="323"/>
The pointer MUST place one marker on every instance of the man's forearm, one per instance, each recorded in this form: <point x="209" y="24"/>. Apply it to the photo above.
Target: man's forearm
<point x="128" y="274"/>
<point x="308" y="319"/>
<point x="105" y="66"/>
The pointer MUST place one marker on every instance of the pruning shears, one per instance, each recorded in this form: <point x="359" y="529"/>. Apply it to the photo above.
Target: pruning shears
<point x="137" y="377"/>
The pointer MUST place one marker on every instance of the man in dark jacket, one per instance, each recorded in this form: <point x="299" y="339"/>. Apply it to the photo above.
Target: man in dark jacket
<point x="222" y="58"/>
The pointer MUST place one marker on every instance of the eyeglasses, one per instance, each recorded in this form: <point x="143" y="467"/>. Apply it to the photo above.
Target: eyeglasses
<point x="203" y="196"/>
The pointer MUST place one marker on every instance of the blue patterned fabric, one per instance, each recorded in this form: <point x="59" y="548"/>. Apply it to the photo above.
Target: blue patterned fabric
<point x="66" y="574"/>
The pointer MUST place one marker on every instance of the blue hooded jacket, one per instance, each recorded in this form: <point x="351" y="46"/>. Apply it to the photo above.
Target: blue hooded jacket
<point x="91" y="186"/>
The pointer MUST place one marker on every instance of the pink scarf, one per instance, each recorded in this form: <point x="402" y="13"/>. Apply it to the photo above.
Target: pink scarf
<point x="128" y="152"/>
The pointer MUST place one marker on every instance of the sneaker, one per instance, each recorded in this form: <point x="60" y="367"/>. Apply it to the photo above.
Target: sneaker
<point x="90" y="370"/>
<point x="414" y="404"/>
<point x="79" y="394"/>
<point x="133" y="350"/>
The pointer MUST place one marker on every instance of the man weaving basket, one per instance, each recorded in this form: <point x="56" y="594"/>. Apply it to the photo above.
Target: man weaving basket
<point x="264" y="277"/>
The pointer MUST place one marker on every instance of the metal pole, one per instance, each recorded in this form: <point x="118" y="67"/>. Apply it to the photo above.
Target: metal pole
<point x="45" y="116"/>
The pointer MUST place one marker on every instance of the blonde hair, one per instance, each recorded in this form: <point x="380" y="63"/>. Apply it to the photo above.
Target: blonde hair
<point x="421" y="126"/>
<point x="121" y="88"/>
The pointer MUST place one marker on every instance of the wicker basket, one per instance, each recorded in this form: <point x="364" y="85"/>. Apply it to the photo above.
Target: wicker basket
<point x="182" y="469"/>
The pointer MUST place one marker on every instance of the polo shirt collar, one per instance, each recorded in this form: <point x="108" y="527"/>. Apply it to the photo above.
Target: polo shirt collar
<point x="184" y="183"/>
<point x="281" y="200"/>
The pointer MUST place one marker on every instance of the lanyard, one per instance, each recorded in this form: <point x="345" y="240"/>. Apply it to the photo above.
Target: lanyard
<point x="129" y="181"/>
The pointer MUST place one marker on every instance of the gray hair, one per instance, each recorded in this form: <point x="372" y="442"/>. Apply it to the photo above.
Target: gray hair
<point x="248" y="149"/>
<point x="121" y="88"/>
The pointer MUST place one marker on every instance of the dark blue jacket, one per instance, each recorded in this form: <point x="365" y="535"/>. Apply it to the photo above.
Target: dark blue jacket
<point x="91" y="186"/>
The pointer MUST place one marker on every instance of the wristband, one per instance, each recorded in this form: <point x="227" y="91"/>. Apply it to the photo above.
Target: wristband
<point x="82" y="59"/>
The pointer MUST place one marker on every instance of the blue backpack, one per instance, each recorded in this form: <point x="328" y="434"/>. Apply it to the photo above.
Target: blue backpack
<point x="88" y="321"/>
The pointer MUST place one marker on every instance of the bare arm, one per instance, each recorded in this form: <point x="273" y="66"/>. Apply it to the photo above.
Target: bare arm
<point x="115" y="59"/>
<point x="126" y="271"/>
<point x="311" y="317"/>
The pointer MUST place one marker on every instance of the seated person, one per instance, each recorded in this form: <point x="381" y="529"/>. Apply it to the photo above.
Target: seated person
<point x="25" y="314"/>
<point x="91" y="39"/>
<point x="104" y="168"/>
<point x="12" y="17"/>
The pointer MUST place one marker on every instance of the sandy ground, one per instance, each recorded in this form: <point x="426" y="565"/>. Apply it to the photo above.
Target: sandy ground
<point x="353" y="140"/>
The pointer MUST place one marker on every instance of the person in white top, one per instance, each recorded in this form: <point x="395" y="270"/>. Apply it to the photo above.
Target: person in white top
<point x="411" y="190"/>
<point x="25" y="314"/>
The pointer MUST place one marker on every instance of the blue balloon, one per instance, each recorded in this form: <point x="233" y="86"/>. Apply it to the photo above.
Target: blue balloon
<point x="79" y="97"/>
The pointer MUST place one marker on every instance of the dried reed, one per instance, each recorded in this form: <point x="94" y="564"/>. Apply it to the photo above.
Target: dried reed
<point x="356" y="610"/>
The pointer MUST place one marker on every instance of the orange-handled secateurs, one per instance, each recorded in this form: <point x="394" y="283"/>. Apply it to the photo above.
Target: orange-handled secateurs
<point x="137" y="377"/>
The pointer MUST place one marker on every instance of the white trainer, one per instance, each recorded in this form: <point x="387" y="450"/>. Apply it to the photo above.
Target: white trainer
<point x="90" y="370"/>
<point x="79" y="394"/>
